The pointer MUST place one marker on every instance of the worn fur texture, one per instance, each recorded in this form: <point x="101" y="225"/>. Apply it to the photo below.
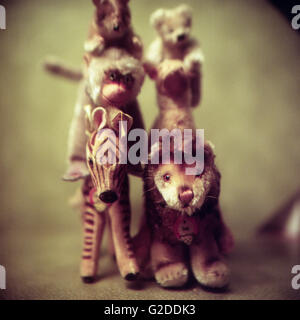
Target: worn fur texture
<point x="111" y="27"/>
<point x="174" y="42"/>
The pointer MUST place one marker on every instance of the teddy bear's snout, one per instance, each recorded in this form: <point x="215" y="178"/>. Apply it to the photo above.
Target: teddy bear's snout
<point x="181" y="37"/>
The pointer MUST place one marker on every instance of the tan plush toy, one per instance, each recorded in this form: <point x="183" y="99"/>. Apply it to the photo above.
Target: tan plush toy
<point x="183" y="214"/>
<point x="111" y="27"/>
<point x="174" y="42"/>
<point x="106" y="198"/>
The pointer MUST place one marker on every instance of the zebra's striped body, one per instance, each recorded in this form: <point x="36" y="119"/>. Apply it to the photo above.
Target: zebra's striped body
<point x="106" y="200"/>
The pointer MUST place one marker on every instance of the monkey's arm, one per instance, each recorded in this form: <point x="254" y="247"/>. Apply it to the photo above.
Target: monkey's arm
<point x="77" y="168"/>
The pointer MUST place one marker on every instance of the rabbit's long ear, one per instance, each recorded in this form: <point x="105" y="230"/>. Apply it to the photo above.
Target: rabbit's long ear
<point x="99" y="118"/>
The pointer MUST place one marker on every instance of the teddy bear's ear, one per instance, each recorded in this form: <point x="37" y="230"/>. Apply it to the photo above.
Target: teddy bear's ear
<point x="121" y="116"/>
<point x="99" y="118"/>
<point x="157" y="18"/>
<point x="185" y="11"/>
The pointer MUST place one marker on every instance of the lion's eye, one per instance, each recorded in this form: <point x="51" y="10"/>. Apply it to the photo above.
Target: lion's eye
<point x="167" y="177"/>
<point x="91" y="163"/>
<point x="171" y="30"/>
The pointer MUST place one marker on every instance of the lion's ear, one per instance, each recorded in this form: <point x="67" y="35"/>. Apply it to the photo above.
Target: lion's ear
<point x="209" y="154"/>
<point x="99" y="118"/>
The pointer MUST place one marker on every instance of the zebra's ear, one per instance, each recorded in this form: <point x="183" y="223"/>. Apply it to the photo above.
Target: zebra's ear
<point x="99" y="118"/>
<point x="121" y="116"/>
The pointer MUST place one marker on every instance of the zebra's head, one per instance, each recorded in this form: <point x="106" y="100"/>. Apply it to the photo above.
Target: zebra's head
<point x="105" y="148"/>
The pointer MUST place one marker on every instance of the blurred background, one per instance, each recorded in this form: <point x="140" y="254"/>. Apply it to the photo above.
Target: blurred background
<point x="250" y="111"/>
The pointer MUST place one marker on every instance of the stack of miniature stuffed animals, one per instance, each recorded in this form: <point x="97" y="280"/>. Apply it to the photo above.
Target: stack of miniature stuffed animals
<point x="182" y="226"/>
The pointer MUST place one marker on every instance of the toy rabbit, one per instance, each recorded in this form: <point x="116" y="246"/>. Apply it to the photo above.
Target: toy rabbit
<point x="111" y="27"/>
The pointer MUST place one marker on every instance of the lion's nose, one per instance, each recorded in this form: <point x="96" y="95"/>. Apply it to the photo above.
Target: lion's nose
<point x="116" y="27"/>
<point x="108" y="196"/>
<point x="186" y="196"/>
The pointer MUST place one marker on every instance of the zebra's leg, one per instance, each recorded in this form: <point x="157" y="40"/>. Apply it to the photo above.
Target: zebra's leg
<point x="93" y="227"/>
<point x="110" y="242"/>
<point x="119" y="214"/>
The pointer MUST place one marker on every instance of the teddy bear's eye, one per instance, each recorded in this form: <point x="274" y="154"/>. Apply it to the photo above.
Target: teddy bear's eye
<point x="166" y="177"/>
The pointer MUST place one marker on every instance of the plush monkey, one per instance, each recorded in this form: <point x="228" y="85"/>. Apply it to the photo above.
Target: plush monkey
<point x="174" y="42"/>
<point x="114" y="79"/>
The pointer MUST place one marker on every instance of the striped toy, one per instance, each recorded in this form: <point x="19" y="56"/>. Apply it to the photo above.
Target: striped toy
<point x="106" y="198"/>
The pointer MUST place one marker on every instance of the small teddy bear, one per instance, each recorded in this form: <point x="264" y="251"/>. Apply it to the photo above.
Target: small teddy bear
<point x="111" y="26"/>
<point x="174" y="42"/>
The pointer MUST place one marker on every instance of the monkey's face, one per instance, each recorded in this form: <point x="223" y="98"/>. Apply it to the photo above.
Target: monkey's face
<point x="117" y="88"/>
<point x="115" y="79"/>
<point x="113" y="18"/>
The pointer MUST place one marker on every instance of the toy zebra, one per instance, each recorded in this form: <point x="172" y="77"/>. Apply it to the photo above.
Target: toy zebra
<point x="106" y="199"/>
